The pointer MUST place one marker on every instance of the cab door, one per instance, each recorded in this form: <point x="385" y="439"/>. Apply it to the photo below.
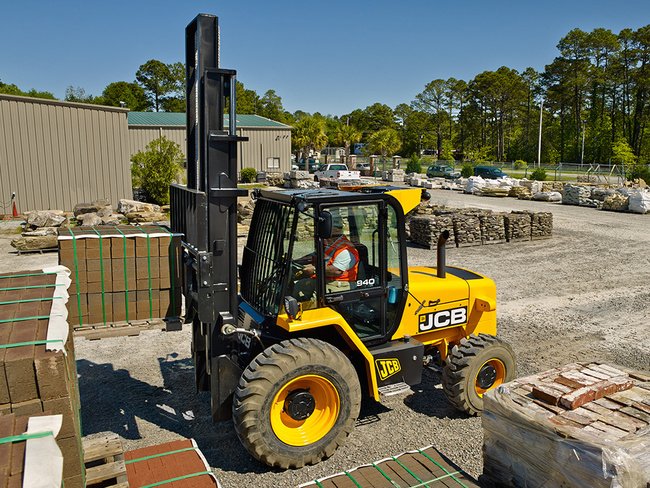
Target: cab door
<point x="362" y="298"/>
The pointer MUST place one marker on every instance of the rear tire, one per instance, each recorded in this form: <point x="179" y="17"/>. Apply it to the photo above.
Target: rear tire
<point x="296" y="402"/>
<point x="475" y="366"/>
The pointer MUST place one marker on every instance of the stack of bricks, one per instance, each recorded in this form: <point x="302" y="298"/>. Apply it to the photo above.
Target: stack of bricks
<point x="33" y="380"/>
<point x="584" y="424"/>
<point x="121" y="273"/>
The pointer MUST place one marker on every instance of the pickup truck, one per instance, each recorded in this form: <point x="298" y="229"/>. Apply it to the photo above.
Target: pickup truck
<point x="336" y="170"/>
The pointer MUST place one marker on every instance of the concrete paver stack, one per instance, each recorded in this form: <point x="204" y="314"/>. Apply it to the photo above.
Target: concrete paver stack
<point x="37" y="364"/>
<point x="121" y="273"/>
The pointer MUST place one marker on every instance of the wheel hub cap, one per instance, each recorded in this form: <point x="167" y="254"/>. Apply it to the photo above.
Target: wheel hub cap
<point x="300" y="404"/>
<point x="486" y="376"/>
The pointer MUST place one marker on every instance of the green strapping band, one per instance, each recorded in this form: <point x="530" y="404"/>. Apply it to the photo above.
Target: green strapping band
<point x="442" y="467"/>
<point x="353" y="480"/>
<point x="29" y="287"/>
<point x="178" y="478"/>
<point x="318" y="484"/>
<point x="28" y="300"/>
<point x="448" y="475"/>
<point x="25" y="275"/>
<point x="22" y="319"/>
<point x="172" y="265"/>
<point x="29" y="343"/>
<point x="76" y="273"/>
<point x="25" y="437"/>
<point x="101" y="273"/>
<point x="149" y="272"/>
<point x="384" y="474"/>
<point x="163" y="454"/>
<point x="417" y="478"/>
<point x="126" y="280"/>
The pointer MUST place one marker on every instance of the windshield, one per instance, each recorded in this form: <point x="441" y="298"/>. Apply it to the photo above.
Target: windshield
<point x="265" y="256"/>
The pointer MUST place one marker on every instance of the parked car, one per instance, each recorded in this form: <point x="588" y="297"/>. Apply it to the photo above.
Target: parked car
<point x="338" y="170"/>
<point x="442" y="171"/>
<point x="311" y="165"/>
<point x="489" y="172"/>
<point x="364" y="168"/>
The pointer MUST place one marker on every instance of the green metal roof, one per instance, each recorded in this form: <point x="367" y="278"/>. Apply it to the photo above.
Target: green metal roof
<point x="173" y="119"/>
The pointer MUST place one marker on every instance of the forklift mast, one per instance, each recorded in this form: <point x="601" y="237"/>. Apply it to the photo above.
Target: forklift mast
<point x="205" y="211"/>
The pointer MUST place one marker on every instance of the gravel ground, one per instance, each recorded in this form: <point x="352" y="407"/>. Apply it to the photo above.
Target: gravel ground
<point x="582" y="295"/>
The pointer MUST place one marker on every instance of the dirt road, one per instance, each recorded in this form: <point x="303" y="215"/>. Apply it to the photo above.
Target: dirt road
<point x="582" y="295"/>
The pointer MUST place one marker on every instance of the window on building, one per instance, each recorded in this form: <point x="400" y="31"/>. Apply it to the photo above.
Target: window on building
<point x="273" y="163"/>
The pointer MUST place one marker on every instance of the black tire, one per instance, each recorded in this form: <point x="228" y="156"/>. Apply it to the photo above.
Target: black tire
<point x="461" y="382"/>
<point x="269" y="375"/>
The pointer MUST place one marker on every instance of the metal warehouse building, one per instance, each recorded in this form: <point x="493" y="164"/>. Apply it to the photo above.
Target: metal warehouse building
<point x="268" y="147"/>
<point x="56" y="154"/>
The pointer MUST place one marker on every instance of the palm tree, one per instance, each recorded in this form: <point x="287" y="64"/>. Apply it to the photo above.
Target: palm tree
<point x="308" y="135"/>
<point x="384" y="142"/>
<point x="346" y="135"/>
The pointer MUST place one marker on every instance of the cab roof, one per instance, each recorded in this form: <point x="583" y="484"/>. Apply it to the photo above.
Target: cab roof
<point x="407" y="198"/>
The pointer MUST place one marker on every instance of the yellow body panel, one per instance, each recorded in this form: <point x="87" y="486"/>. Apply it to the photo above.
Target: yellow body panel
<point x="327" y="317"/>
<point x="438" y="312"/>
<point x="409" y="198"/>
<point x="428" y="315"/>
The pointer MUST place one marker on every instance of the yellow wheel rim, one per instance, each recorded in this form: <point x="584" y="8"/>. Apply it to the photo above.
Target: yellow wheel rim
<point x="491" y="374"/>
<point x="326" y="411"/>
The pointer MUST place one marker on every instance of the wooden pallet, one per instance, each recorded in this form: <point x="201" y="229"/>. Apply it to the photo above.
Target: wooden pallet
<point x="422" y="468"/>
<point x="120" y="329"/>
<point x="104" y="461"/>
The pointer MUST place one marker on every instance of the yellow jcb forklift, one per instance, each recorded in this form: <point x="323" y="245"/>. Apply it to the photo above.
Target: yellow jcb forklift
<point x="290" y="356"/>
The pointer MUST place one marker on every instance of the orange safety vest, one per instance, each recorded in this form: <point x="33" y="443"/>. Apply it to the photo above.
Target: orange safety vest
<point x="333" y="250"/>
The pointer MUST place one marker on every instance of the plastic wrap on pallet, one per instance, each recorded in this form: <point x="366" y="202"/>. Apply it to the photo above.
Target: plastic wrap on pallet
<point x="639" y="201"/>
<point x="522" y="447"/>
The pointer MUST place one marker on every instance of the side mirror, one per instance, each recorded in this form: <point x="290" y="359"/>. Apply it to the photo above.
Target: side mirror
<point x="325" y="225"/>
<point x="291" y="306"/>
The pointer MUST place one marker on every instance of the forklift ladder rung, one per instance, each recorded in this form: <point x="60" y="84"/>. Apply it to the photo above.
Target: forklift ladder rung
<point x="394" y="389"/>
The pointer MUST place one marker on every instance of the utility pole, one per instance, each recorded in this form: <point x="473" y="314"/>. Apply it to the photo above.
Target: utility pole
<point x="582" y="153"/>
<point x="539" y="142"/>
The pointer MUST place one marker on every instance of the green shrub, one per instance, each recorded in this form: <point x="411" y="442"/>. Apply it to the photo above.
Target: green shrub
<point x="520" y="164"/>
<point x="639" y="171"/>
<point x="155" y="168"/>
<point x="248" y="175"/>
<point x="538" y="175"/>
<point x="467" y="170"/>
<point x="414" y="164"/>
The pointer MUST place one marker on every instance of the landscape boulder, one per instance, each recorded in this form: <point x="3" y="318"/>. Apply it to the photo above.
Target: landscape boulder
<point x="144" y="216"/>
<point x="126" y="207"/>
<point x="45" y="218"/>
<point x="93" y="207"/>
<point x="89" y="219"/>
<point x="35" y="243"/>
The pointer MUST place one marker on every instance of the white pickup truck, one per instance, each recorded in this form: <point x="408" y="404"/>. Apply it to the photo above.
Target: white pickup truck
<point x="337" y="171"/>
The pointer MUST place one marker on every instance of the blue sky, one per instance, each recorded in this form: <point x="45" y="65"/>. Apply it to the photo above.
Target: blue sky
<point x="330" y="57"/>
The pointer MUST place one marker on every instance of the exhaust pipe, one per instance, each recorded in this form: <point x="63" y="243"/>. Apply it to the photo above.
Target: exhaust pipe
<point x="442" y="254"/>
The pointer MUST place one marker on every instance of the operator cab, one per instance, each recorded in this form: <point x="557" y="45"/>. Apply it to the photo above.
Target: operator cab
<point x="328" y="248"/>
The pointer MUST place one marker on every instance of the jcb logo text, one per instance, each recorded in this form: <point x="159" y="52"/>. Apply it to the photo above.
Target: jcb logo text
<point x="387" y="367"/>
<point x="443" y="318"/>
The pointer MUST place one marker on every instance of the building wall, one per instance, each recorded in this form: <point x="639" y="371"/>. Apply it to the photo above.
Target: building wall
<point x="57" y="154"/>
<point x="140" y="136"/>
<point x="263" y="144"/>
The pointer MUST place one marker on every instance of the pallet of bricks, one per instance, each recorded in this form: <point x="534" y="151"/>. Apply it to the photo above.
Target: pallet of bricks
<point x="420" y="468"/>
<point x="38" y="373"/>
<point x="122" y="275"/>
<point x="584" y="424"/>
